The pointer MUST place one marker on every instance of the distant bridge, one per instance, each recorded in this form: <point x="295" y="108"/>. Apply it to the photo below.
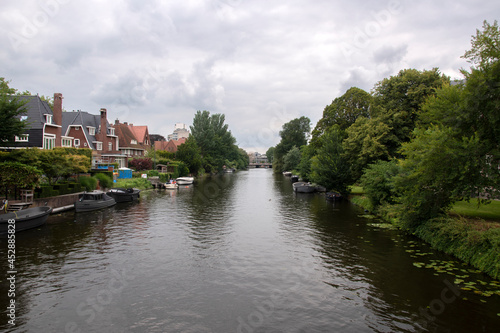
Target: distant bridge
<point x="260" y="165"/>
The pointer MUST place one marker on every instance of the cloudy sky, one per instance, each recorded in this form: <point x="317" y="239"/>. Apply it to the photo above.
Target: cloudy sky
<point x="261" y="63"/>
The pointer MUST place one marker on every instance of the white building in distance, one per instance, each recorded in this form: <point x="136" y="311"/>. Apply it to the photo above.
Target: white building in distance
<point x="180" y="131"/>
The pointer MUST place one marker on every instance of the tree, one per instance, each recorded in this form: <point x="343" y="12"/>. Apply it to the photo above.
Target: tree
<point x="190" y="154"/>
<point x="378" y="182"/>
<point x="10" y="109"/>
<point x="293" y="133"/>
<point x="15" y="174"/>
<point x="292" y="159"/>
<point x="400" y="97"/>
<point x="214" y="139"/>
<point x="367" y="141"/>
<point x="270" y="154"/>
<point x="343" y="111"/>
<point x="329" y="167"/>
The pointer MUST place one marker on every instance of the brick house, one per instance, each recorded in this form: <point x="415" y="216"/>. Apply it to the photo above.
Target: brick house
<point x="133" y="140"/>
<point x="94" y="132"/>
<point x="170" y="146"/>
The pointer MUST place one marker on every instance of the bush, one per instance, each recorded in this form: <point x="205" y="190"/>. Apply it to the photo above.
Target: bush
<point x="88" y="183"/>
<point x="378" y="182"/>
<point x="104" y="180"/>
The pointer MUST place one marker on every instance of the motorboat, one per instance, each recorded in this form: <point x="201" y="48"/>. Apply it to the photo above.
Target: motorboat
<point x="124" y="194"/>
<point x="294" y="178"/>
<point x="171" y="186"/>
<point x="333" y="196"/>
<point x="287" y="173"/>
<point x="24" y="219"/>
<point x="184" y="180"/>
<point x="303" y="187"/>
<point x="94" y="200"/>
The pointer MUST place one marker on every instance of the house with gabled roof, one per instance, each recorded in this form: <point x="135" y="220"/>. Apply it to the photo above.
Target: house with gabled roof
<point x="94" y="132"/>
<point x="130" y="144"/>
<point x="43" y="128"/>
<point x="170" y="145"/>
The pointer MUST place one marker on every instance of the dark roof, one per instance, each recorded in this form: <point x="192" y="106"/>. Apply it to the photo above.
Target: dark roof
<point x="36" y="109"/>
<point x="84" y="119"/>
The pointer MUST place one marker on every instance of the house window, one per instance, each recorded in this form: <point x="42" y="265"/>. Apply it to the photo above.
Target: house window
<point x="77" y="142"/>
<point x="48" y="118"/>
<point x="111" y="131"/>
<point x="22" y="138"/>
<point x="110" y="146"/>
<point x="133" y="142"/>
<point x="49" y="142"/>
<point x="98" y="145"/>
<point x="66" y="142"/>
<point x="91" y="130"/>
<point x="24" y="118"/>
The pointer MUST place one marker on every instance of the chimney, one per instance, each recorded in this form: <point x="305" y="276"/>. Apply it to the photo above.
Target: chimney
<point x="57" y="117"/>
<point x="104" y="121"/>
<point x="117" y="122"/>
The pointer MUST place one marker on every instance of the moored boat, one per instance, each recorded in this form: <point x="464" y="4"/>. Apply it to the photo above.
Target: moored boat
<point x="24" y="219"/>
<point x="287" y="173"/>
<point x="94" y="200"/>
<point x="185" y="180"/>
<point x="294" y="178"/>
<point x="333" y="196"/>
<point x="303" y="187"/>
<point x="124" y="194"/>
<point x="171" y="186"/>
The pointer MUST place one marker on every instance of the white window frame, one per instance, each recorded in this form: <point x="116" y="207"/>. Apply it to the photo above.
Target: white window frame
<point x="91" y="130"/>
<point x="48" y="118"/>
<point x="22" y="138"/>
<point x="111" y="131"/>
<point x="110" y="146"/>
<point x="76" y="142"/>
<point x="98" y="145"/>
<point x="49" y="141"/>
<point x="66" y="142"/>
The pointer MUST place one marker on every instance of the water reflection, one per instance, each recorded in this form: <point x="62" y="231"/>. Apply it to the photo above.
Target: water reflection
<point x="233" y="253"/>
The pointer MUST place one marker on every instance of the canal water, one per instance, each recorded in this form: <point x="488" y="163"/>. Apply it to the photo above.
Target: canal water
<point x="238" y="253"/>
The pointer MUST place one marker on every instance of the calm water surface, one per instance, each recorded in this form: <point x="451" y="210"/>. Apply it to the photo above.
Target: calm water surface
<point x="237" y="253"/>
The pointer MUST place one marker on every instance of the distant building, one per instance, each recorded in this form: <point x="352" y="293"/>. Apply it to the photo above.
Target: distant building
<point x="180" y="131"/>
<point x="255" y="157"/>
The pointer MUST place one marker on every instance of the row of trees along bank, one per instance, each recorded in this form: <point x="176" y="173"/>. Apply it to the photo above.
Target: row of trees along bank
<point x="417" y="144"/>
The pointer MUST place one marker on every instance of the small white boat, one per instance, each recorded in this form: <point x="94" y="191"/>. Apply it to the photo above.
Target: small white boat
<point x="287" y="173"/>
<point x="303" y="187"/>
<point x="171" y="186"/>
<point x="185" y="180"/>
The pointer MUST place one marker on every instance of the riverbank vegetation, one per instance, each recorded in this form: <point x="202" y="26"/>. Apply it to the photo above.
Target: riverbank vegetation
<point x="418" y="144"/>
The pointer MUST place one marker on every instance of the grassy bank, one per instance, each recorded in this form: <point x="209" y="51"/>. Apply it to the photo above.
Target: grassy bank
<point x="140" y="183"/>
<point x="470" y="233"/>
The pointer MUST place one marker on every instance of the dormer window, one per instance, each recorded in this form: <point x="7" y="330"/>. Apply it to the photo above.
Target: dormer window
<point x="48" y="118"/>
<point x="24" y="118"/>
<point x="91" y="130"/>
<point x="133" y="142"/>
<point x="111" y="131"/>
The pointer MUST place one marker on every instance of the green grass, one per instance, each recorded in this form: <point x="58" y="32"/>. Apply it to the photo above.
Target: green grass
<point x="490" y="211"/>
<point x="140" y="183"/>
<point x="356" y="189"/>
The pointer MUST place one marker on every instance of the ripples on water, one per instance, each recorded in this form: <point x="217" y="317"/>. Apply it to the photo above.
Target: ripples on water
<point x="237" y="253"/>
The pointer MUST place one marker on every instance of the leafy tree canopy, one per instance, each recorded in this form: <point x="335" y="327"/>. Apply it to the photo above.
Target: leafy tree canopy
<point x="343" y="111"/>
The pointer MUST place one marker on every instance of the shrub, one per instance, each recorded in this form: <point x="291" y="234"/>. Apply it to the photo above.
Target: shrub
<point x="88" y="183"/>
<point x="378" y="182"/>
<point x="104" y="180"/>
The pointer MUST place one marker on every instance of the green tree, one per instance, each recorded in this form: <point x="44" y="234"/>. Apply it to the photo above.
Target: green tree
<point x="378" y="183"/>
<point x="214" y="139"/>
<point x="190" y="154"/>
<point x="329" y="167"/>
<point x="10" y="110"/>
<point x="270" y="154"/>
<point x="343" y="111"/>
<point x="294" y="133"/>
<point x="15" y="174"/>
<point x="292" y="159"/>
